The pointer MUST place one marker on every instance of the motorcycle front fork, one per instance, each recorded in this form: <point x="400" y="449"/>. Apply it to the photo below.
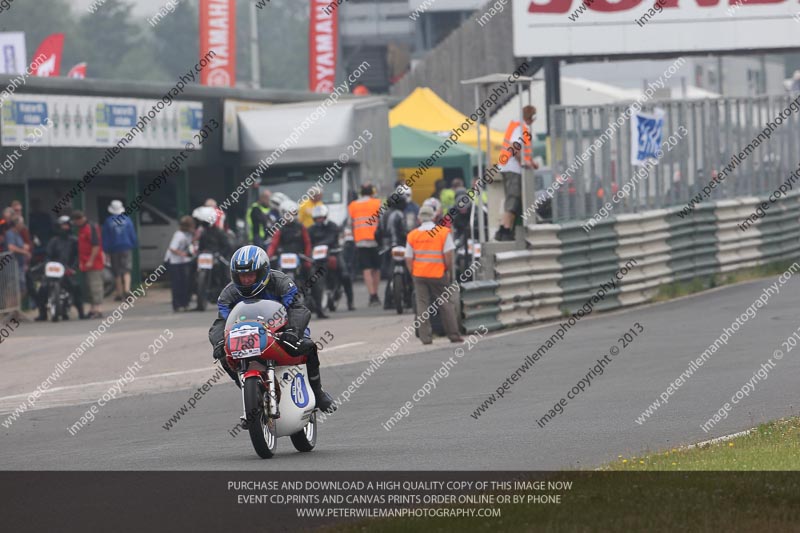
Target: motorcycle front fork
<point x="272" y="396"/>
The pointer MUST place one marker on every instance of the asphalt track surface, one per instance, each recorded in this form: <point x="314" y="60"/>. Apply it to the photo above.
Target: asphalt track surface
<point x="439" y="433"/>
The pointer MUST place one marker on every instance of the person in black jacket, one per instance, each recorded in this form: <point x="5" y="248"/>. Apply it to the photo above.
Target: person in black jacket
<point x="392" y="230"/>
<point x="252" y="278"/>
<point x="62" y="248"/>
<point x="326" y="232"/>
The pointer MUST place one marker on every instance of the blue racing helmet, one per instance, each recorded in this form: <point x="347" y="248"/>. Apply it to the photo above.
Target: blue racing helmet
<point x="250" y="259"/>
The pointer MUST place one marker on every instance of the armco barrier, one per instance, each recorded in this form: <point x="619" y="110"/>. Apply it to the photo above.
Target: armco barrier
<point x="564" y="266"/>
<point x="10" y="298"/>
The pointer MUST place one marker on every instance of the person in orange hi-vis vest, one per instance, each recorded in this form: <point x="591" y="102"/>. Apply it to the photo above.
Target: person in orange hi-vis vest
<point x="429" y="257"/>
<point x="517" y="154"/>
<point x="365" y="212"/>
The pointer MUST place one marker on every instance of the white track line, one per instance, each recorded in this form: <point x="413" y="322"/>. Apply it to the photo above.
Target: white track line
<point x="719" y="439"/>
<point x="82" y="385"/>
<point x="150" y="376"/>
<point x="348" y="345"/>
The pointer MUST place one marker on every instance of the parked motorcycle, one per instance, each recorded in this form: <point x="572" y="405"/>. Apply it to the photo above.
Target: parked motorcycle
<point x="59" y="299"/>
<point x="276" y="394"/>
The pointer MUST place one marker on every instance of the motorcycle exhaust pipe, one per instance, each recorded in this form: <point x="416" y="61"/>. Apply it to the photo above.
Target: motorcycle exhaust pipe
<point x="273" y="396"/>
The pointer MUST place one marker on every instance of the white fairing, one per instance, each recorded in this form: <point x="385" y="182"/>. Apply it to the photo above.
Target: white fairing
<point x="297" y="399"/>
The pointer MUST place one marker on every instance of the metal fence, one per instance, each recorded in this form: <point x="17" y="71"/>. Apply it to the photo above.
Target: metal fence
<point x="716" y="130"/>
<point x="10" y="298"/>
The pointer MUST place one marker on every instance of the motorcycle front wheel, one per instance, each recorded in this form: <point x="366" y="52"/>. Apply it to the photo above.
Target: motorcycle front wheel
<point x="54" y="305"/>
<point x="398" y="285"/>
<point x="306" y="439"/>
<point x="202" y="289"/>
<point x="260" y="426"/>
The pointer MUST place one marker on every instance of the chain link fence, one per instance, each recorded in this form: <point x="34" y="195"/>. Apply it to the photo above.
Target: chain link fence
<point x="708" y="134"/>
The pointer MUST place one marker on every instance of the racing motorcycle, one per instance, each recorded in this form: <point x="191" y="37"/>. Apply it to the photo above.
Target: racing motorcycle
<point x="290" y="264"/>
<point x="276" y="395"/>
<point x="212" y="270"/>
<point x="59" y="299"/>
<point x="401" y="288"/>
<point x="327" y="280"/>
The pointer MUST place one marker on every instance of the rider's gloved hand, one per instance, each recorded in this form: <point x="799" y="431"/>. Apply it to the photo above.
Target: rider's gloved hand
<point x="295" y="344"/>
<point x="290" y="336"/>
<point x="290" y="339"/>
<point x="219" y="350"/>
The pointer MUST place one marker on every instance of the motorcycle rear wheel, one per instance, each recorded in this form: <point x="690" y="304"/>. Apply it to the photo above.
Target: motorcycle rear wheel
<point x="306" y="439"/>
<point x="260" y="426"/>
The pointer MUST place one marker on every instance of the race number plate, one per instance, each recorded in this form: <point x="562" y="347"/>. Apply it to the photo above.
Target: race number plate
<point x="245" y="341"/>
<point x="289" y="261"/>
<point x="398" y="253"/>
<point x="205" y="261"/>
<point x="54" y="270"/>
<point x="320" y="252"/>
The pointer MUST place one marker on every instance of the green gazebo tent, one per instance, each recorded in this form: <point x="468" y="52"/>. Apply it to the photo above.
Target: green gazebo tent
<point x="411" y="147"/>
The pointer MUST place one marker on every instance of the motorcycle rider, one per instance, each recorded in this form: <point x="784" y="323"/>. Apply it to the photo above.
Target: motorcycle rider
<point x="63" y="248"/>
<point x="326" y="232"/>
<point x="412" y="209"/>
<point x="393" y="231"/>
<point x="209" y="236"/>
<point x="252" y="278"/>
<point x="292" y="237"/>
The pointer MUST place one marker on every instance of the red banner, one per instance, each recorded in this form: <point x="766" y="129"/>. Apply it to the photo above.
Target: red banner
<point x="323" y="38"/>
<point x="78" y="71"/>
<point x="218" y="34"/>
<point x="47" y="59"/>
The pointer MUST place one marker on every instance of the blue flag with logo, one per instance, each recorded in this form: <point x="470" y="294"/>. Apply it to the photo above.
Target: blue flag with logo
<point x="646" y="134"/>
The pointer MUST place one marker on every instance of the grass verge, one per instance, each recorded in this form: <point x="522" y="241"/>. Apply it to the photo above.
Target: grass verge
<point x="736" y="485"/>
<point x="771" y="446"/>
<point x="678" y="289"/>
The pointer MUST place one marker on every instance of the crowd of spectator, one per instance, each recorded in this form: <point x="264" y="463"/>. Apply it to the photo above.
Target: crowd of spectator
<point x="78" y="243"/>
